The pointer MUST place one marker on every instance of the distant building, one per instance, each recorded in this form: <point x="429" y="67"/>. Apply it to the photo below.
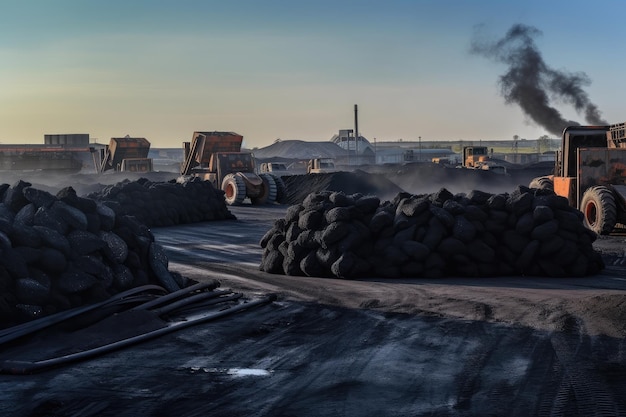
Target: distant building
<point x="60" y="152"/>
<point x="359" y="150"/>
<point x="67" y="139"/>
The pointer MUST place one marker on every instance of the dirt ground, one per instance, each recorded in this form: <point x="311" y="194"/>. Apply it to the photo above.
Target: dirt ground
<point x="515" y="346"/>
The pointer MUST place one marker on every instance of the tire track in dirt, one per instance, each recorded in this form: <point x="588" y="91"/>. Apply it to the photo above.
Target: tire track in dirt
<point x="592" y="396"/>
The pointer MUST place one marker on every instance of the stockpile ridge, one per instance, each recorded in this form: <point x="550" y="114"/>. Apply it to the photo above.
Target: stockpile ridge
<point x="165" y="203"/>
<point x="527" y="232"/>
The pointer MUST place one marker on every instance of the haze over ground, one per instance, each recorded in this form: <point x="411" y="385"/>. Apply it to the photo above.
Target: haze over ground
<point x="293" y="70"/>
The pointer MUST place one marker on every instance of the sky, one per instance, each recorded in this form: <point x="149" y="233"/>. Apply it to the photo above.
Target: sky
<point x="289" y="69"/>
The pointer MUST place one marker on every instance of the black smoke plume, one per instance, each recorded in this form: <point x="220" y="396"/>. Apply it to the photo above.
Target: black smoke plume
<point x="530" y="83"/>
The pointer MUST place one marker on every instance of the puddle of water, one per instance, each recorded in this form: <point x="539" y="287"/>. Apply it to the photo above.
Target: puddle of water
<point x="235" y="372"/>
<point x="248" y="372"/>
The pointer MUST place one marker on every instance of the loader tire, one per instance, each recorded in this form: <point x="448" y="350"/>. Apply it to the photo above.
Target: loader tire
<point x="599" y="210"/>
<point x="234" y="189"/>
<point x="268" y="191"/>
<point x="281" y="189"/>
<point x="542" y="183"/>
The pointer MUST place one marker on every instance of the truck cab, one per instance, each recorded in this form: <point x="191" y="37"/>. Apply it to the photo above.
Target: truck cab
<point x="473" y="155"/>
<point x="479" y="157"/>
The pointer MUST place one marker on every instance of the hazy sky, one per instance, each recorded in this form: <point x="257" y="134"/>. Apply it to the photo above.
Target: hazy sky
<point x="290" y="69"/>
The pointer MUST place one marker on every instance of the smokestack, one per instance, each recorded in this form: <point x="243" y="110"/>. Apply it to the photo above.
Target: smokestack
<point x="529" y="82"/>
<point x="356" y="133"/>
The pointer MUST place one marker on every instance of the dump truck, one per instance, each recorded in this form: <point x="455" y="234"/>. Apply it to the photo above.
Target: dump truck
<point x="320" y="165"/>
<point x="126" y="154"/>
<point x="217" y="157"/>
<point x="478" y="157"/>
<point x="590" y="171"/>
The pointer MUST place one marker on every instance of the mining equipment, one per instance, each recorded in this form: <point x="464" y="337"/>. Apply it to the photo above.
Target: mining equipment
<point x="276" y="168"/>
<point x="590" y="171"/>
<point x="126" y="155"/>
<point x="217" y="157"/>
<point x="478" y="157"/>
<point x="320" y="165"/>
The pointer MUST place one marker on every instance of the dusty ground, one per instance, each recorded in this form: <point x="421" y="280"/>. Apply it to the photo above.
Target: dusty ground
<point x="450" y="347"/>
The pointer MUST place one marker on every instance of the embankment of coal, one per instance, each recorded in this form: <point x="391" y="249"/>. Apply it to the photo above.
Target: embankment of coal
<point x="527" y="232"/>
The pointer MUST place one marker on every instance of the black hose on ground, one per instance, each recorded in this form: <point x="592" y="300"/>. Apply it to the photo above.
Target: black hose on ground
<point x="14" y="332"/>
<point x="209" y="286"/>
<point x="190" y="301"/>
<point x="29" y="367"/>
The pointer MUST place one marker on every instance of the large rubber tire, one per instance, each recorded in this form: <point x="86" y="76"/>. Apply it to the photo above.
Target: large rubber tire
<point x="542" y="183"/>
<point x="234" y="189"/>
<point x="281" y="189"/>
<point x="599" y="210"/>
<point x="268" y="191"/>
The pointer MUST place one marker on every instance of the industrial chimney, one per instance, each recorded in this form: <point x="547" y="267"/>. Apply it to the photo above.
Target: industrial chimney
<point x="356" y="134"/>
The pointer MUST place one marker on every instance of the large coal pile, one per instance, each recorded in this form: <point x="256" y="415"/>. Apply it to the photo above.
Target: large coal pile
<point x="527" y="232"/>
<point x="165" y="203"/>
<point x="298" y="187"/>
<point x="64" y="251"/>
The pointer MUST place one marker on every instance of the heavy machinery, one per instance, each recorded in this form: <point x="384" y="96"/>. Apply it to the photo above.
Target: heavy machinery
<point x="320" y="165"/>
<point x="590" y="171"/>
<point x="217" y="157"/>
<point x="126" y="154"/>
<point x="477" y="157"/>
<point x="275" y="168"/>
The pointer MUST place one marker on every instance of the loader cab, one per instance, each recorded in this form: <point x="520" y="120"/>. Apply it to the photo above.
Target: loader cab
<point x="575" y="137"/>
<point x="227" y="162"/>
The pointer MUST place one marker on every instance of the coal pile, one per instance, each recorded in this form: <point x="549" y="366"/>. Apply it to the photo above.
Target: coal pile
<point x="298" y="187"/>
<point x="165" y="203"/>
<point x="63" y="251"/>
<point x="527" y="232"/>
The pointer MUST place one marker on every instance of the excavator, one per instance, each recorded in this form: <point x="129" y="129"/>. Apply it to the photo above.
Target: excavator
<point x="590" y="171"/>
<point x="217" y="157"/>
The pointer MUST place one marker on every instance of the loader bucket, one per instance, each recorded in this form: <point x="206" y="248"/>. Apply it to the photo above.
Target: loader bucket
<point x="215" y="142"/>
<point x="124" y="148"/>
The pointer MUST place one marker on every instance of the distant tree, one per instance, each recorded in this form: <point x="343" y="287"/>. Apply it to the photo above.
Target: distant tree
<point x="543" y="144"/>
